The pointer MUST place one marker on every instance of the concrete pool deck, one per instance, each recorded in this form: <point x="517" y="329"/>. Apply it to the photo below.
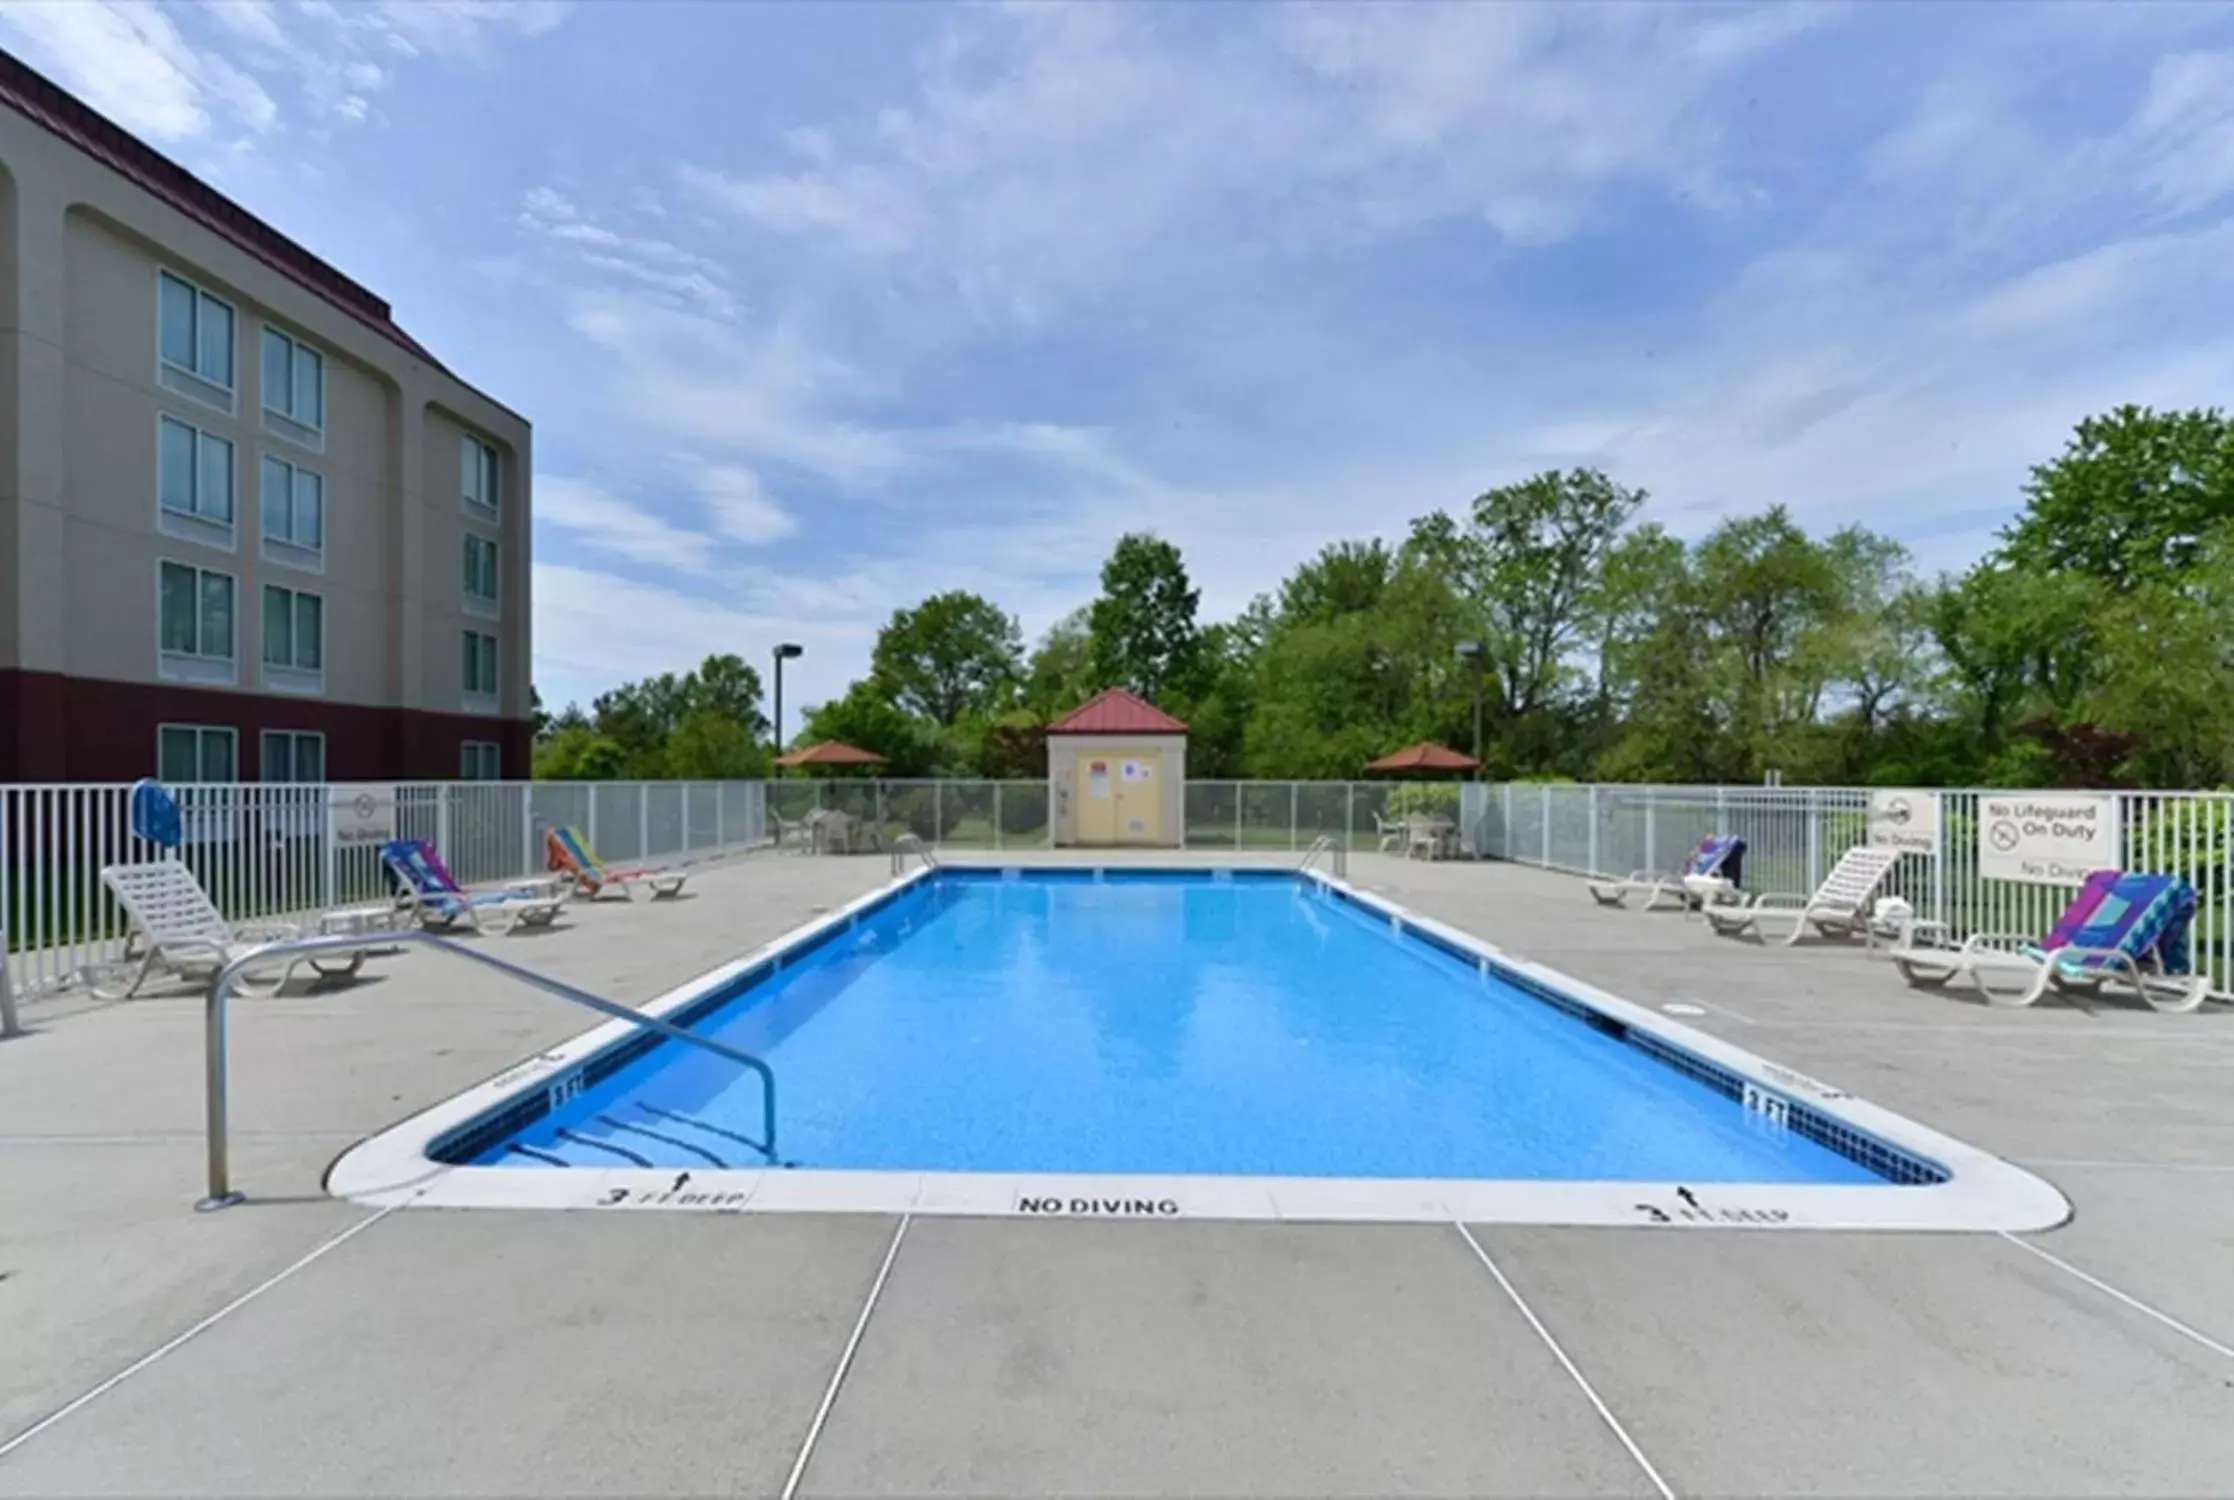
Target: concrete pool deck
<point x="300" y="1345"/>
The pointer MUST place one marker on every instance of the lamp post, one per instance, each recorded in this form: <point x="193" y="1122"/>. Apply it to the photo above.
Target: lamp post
<point x="788" y="651"/>
<point x="1473" y="655"/>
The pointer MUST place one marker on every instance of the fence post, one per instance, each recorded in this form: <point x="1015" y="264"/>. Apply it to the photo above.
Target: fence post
<point x="878" y="789"/>
<point x="938" y="817"/>
<point x="1240" y="792"/>
<point x="1295" y="792"/>
<point x="686" y="817"/>
<point x="643" y="819"/>
<point x="326" y="901"/>
<point x="1651" y="816"/>
<point x="442" y="792"/>
<point x="1593" y="806"/>
<point x="595" y="799"/>
<point x="1547" y="825"/>
<point x="527" y="828"/>
<point x="1349" y="816"/>
<point x="996" y="815"/>
<point x="1814" y="840"/>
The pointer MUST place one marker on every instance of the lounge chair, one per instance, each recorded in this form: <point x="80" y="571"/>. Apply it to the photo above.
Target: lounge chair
<point x="1391" y="835"/>
<point x="1839" y="908"/>
<point x="567" y="850"/>
<point x="1714" y="866"/>
<point x="186" y="936"/>
<point x="2120" y="928"/>
<point x="438" y="902"/>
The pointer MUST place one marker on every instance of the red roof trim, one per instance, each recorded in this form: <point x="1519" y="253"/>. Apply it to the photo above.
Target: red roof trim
<point x="1115" y="711"/>
<point x="63" y="114"/>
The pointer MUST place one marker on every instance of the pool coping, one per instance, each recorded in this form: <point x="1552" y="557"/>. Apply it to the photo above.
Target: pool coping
<point x="1981" y="1192"/>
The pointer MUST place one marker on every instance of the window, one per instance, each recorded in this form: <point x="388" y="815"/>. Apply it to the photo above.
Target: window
<point x="294" y="388"/>
<point x="294" y="510"/>
<point x="477" y="474"/>
<point x="194" y="482"/>
<point x="480" y="665"/>
<point x="478" y="761"/>
<point x="195" y="621"/>
<point x="194" y="341"/>
<point x="292" y="755"/>
<point x="480" y="570"/>
<point x="187" y="753"/>
<point x="294" y="630"/>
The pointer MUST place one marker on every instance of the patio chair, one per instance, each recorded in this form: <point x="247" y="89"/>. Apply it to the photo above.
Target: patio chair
<point x="567" y="851"/>
<point x="1839" y="907"/>
<point x="1716" y="865"/>
<point x="438" y="902"/>
<point x="2120" y="928"/>
<point x="184" y="934"/>
<point x="1392" y="835"/>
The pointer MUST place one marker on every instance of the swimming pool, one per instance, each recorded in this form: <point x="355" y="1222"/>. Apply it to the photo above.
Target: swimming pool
<point x="1160" y="1043"/>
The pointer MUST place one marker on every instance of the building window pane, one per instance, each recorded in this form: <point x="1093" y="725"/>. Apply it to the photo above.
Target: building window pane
<point x="278" y="380"/>
<point x="176" y="466"/>
<point x="217" y="616"/>
<point x="310" y="757"/>
<point x="279" y="631"/>
<point x="310" y="387"/>
<point x="176" y="317"/>
<point x="217" y="755"/>
<point x="213" y="493"/>
<point x="215" y="341"/>
<point x="310" y="509"/>
<point x="310" y="632"/>
<point x="177" y="608"/>
<point x="277" y="486"/>
<point x="479" y="760"/>
<point x="178" y="754"/>
<point x="276" y="757"/>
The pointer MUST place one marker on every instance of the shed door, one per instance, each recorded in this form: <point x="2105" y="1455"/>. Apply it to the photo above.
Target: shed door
<point x="1140" y="796"/>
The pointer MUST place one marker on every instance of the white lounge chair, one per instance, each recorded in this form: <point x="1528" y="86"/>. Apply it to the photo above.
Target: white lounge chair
<point x="1839" y="907"/>
<point x="1391" y="835"/>
<point x="2131" y="930"/>
<point x="188" y="937"/>
<point x="1701" y="880"/>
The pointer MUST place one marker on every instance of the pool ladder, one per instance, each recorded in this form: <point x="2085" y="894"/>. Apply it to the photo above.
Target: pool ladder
<point x="905" y="845"/>
<point x="221" y="1194"/>
<point x="1337" y="857"/>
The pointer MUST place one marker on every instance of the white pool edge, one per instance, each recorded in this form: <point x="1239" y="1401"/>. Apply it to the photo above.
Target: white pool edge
<point x="1982" y="1193"/>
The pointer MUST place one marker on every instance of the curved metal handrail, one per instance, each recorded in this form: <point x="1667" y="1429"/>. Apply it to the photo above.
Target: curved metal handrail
<point x="1337" y="856"/>
<point x="906" y="844"/>
<point x="221" y="1194"/>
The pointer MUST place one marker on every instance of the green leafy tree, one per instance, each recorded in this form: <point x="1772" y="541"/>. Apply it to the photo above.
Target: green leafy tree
<point x="579" y="753"/>
<point x="1061" y="673"/>
<point x="2134" y="497"/>
<point x="868" y="720"/>
<point x="1142" y="629"/>
<point x="955" y="653"/>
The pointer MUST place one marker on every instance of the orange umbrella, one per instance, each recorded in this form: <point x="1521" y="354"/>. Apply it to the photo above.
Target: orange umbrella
<point x="831" y="753"/>
<point x="1426" y="756"/>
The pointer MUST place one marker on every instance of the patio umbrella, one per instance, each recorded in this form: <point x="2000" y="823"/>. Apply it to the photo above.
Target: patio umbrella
<point x="1425" y="756"/>
<point x="831" y="754"/>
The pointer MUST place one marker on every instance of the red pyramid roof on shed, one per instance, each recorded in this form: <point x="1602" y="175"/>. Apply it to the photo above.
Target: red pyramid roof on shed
<point x="1115" y="711"/>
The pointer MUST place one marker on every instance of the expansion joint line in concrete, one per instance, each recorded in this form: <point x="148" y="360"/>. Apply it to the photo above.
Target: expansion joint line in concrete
<point x="181" y="1340"/>
<point x="845" y="1361"/>
<point x="2107" y="1290"/>
<point x="1574" y="1373"/>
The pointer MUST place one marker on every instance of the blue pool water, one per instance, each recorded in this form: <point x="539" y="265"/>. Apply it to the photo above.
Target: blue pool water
<point x="1161" y="1024"/>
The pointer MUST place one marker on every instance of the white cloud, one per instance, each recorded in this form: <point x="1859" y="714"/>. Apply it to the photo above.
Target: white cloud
<point x="607" y="523"/>
<point x="128" y="61"/>
<point x="1050" y="151"/>
<point x="646" y="261"/>
<point x="2185" y="128"/>
<point x="741" y="509"/>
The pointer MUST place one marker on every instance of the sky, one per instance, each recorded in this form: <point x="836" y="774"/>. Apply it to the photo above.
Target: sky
<point x="818" y="309"/>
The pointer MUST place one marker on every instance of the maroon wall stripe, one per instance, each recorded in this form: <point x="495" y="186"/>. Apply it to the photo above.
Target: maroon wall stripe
<point x="55" y="728"/>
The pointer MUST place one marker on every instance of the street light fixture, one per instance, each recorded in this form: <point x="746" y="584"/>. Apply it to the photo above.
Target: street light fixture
<point x="788" y="651"/>
<point x="1474" y="656"/>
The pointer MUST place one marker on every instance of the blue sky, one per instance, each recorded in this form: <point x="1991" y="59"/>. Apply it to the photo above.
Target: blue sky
<point x="817" y="309"/>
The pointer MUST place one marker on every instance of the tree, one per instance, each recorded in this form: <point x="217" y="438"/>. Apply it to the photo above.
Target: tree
<point x="868" y="720"/>
<point x="2133" y="497"/>
<point x="1142" y="628"/>
<point x="1534" y="554"/>
<point x="579" y="753"/>
<point x="953" y="654"/>
<point x="1061" y="673"/>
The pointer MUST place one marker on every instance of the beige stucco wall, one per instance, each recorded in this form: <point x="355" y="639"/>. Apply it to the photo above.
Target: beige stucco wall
<point x="1064" y="752"/>
<point x="80" y="248"/>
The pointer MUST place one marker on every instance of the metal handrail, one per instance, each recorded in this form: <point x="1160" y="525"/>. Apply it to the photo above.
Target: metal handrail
<point x="221" y="1194"/>
<point x="1338" y="856"/>
<point x="906" y="844"/>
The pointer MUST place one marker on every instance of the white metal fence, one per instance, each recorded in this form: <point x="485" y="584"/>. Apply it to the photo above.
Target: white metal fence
<point x="277" y="851"/>
<point x="1794" y="835"/>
